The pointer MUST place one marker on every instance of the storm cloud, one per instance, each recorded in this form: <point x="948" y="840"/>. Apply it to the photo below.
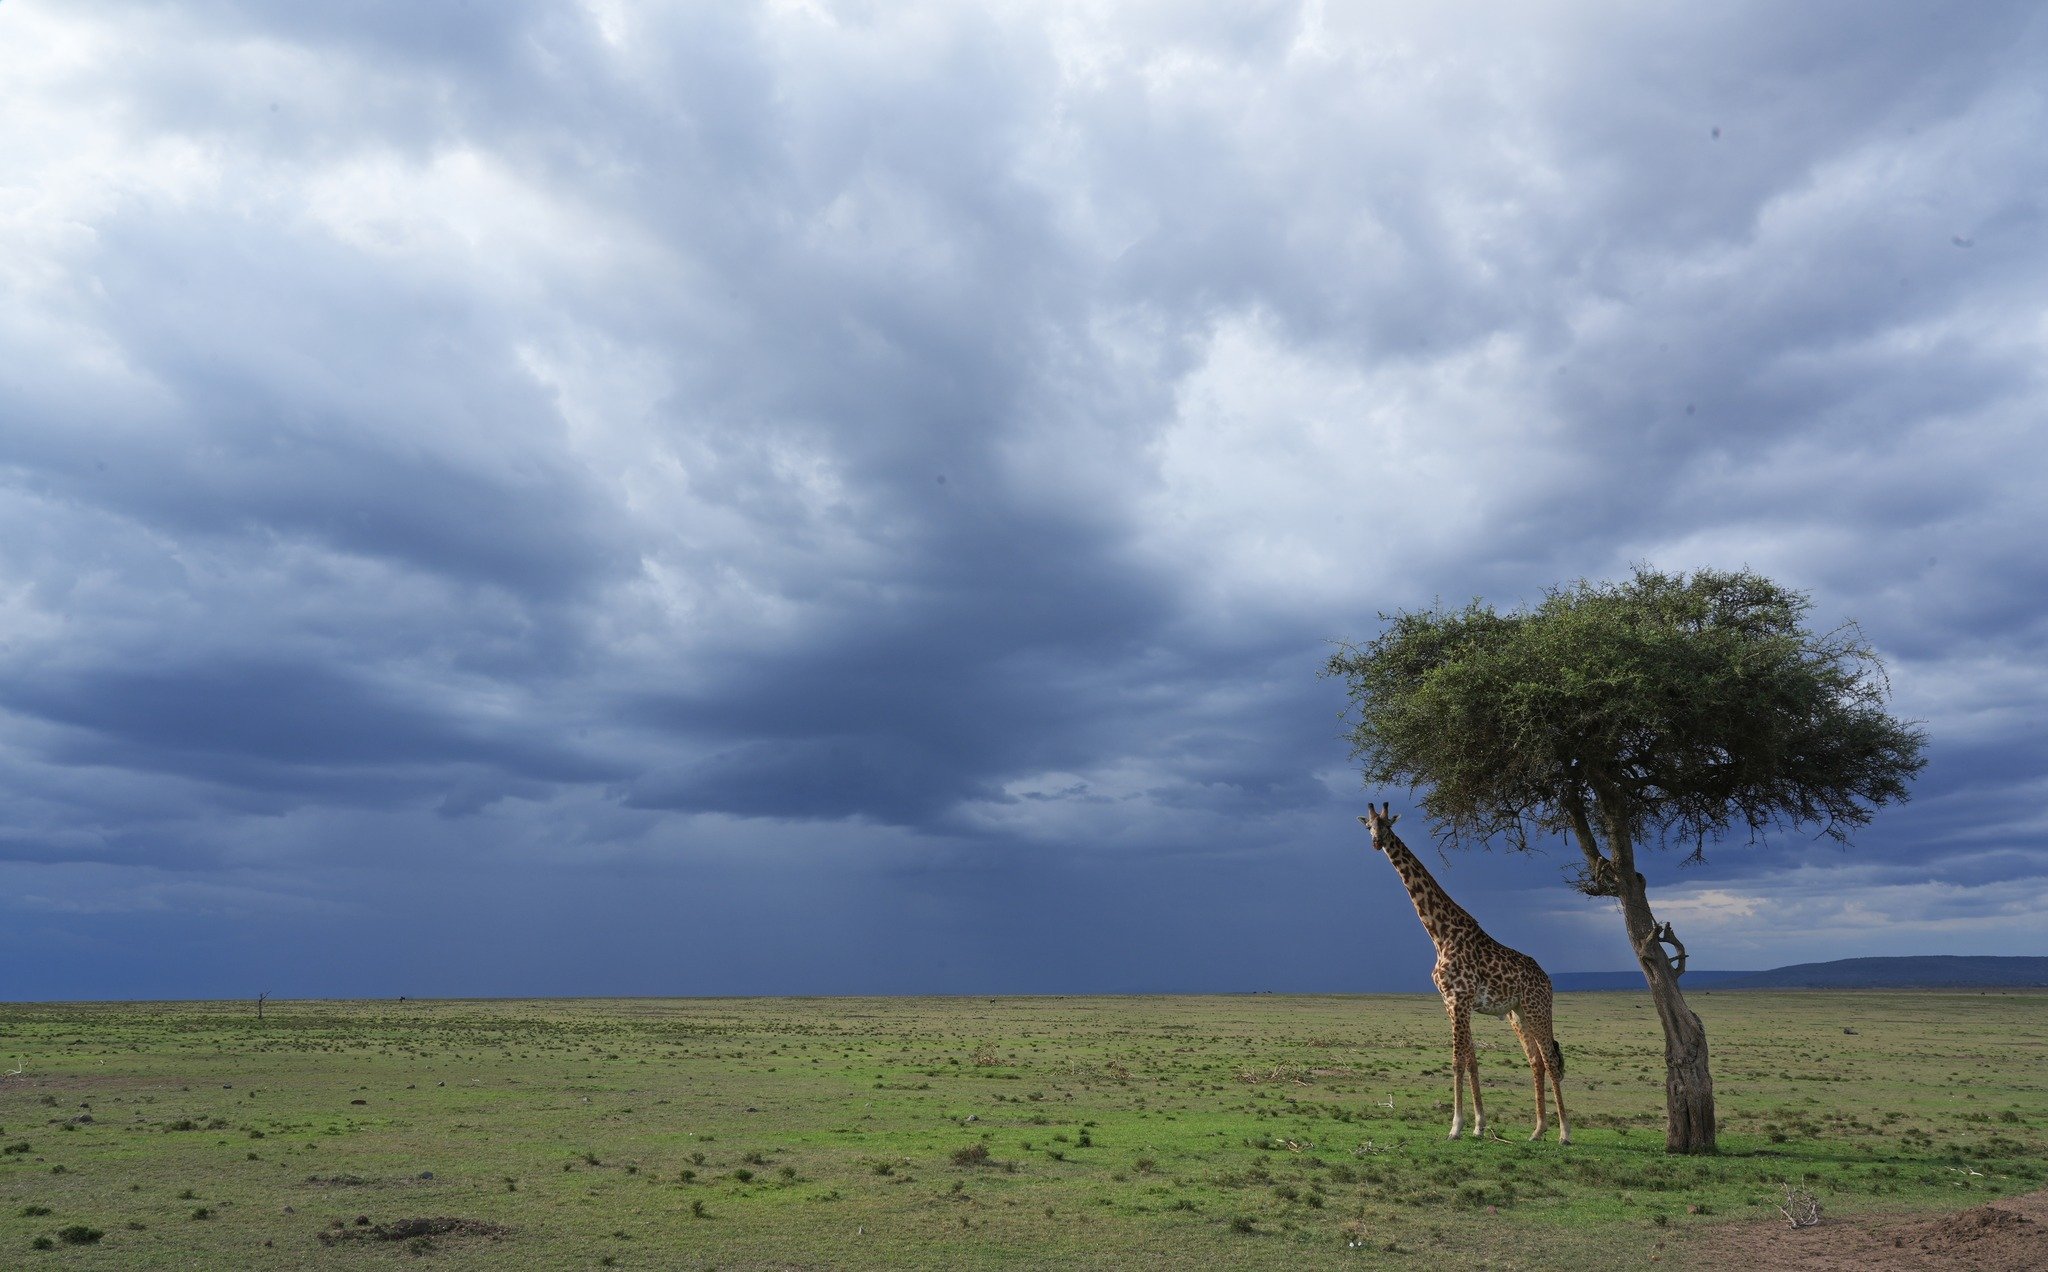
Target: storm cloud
<point x="811" y="497"/>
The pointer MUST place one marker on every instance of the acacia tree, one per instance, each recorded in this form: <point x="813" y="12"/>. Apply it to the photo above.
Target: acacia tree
<point x="1661" y="711"/>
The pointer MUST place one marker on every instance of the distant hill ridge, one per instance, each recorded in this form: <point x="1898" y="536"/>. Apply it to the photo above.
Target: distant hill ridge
<point x="1916" y="971"/>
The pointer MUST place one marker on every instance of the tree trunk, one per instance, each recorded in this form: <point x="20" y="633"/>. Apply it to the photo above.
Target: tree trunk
<point x="1688" y="1082"/>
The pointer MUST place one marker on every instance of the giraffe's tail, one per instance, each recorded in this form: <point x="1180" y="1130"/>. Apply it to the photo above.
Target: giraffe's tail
<point x="1556" y="1058"/>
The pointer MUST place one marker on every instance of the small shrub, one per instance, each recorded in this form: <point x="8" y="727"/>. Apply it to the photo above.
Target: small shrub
<point x="42" y="1243"/>
<point x="202" y="1212"/>
<point x="79" y="1234"/>
<point x="34" y="1212"/>
<point x="1243" y="1223"/>
<point x="743" y="1175"/>
<point x="972" y="1155"/>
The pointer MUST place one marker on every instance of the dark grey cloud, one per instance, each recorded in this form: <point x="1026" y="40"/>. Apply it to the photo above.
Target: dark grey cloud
<point x="879" y="476"/>
<point x="285" y="717"/>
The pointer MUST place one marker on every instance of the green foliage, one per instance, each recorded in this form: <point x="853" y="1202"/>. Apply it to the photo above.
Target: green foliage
<point x="1674" y="706"/>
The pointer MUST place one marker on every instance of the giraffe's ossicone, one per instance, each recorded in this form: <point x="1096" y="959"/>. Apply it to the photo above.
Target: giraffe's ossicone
<point x="1474" y="972"/>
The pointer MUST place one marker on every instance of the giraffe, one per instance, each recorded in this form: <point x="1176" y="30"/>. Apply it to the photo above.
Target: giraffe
<point x="1474" y="972"/>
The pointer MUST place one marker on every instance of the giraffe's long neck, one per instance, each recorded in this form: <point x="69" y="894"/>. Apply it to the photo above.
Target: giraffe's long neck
<point x="1444" y="919"/>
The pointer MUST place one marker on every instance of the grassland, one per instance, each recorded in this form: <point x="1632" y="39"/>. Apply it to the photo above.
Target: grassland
<point x="1076" y="1132"/>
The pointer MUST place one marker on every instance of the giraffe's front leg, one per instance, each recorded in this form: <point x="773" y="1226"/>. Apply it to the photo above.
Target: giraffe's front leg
<point x="1472" y="1075"/>
<point x="1461" y="1066"/>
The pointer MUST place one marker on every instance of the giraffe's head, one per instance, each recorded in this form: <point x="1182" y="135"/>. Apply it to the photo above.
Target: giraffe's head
<point x="1380" y="824"/>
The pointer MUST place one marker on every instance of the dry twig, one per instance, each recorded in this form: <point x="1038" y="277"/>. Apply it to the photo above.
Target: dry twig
<point x="1800" y="1207"/>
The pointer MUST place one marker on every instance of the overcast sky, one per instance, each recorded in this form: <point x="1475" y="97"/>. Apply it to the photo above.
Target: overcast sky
<point x="576" y="498"/>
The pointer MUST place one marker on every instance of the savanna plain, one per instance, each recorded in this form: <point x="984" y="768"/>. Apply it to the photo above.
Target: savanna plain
<point x="1245" y="1131"/>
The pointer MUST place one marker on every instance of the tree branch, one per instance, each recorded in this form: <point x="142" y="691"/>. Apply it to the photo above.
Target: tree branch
<point x="1663" y="935"/>
<point x="1598" y="879"/>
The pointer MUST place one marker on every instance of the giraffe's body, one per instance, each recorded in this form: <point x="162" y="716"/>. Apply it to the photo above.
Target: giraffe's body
<point x="1474" y="972"/>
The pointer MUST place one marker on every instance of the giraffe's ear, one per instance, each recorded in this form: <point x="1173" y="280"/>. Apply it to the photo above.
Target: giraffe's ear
<point x="1391" y="820"/>
<point x="1366" y="822"/>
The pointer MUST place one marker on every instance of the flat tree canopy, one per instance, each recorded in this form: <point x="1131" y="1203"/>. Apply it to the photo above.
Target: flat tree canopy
<point x="1665" y="709"/>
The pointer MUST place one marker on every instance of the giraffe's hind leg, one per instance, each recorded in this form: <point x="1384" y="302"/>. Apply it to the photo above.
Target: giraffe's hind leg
<point x="1532" y="1047"/>
<point x="1553" y="1063"/>
<point x="1546" y="1060"/>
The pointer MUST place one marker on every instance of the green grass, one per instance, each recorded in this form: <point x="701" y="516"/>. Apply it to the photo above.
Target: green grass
<point x="1125" y="1132"/>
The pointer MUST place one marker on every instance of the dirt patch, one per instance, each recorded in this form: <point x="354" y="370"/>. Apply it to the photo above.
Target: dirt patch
<point x="410" y="1230"/>
<point x="68" y="1082"/>
<point x="2005" y="1236"/>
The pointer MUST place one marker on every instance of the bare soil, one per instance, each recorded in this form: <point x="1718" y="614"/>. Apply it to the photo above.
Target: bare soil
<point x="410" y="1229"/>
<point x="2004" y="1236"/>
